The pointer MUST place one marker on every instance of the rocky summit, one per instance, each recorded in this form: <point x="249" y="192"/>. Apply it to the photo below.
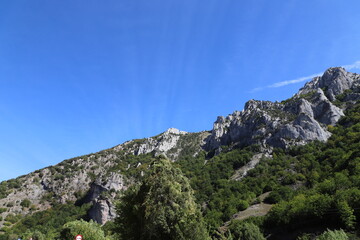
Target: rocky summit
<point x="304" y="117"/>
<point x="99" y="178"/>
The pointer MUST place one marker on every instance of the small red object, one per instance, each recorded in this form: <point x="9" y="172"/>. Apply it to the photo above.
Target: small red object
<point x="78" y="237"/>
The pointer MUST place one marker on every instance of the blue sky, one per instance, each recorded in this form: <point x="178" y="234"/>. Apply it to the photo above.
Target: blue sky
<point x="80" y="76"/>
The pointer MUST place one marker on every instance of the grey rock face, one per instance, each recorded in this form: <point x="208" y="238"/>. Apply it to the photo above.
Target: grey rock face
<point x="334" y="81"/>
<point x="93" y="178"/>
<point x="169" y="143"/>
<point x="103" y="208"/>
<point x="50" y="184"/>
<point x="298" y="120"/>
<point x="242" y="172"/>
<point x="102" y="211"/>
<point x="160" y="144"/>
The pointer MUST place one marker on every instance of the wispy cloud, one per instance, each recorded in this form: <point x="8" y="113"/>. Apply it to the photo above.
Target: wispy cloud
<point x="355" y="65"/>
<point x="287" y="82"/>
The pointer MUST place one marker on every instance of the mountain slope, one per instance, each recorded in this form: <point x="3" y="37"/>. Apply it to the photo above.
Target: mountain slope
<point x="297" y="120"/>
<point x="99" y="178"/>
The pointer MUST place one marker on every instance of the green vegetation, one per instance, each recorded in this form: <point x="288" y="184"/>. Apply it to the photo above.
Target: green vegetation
<point x="331" y="193"/>
<point x="11" y="218"/>
<point x="212" y="185"/>
<point x="10" y="204"/>
<point x="162" y="207"/>
<point x="48" y="222"/>
<point x="25" y="203"/>
<point x="131" y="165"/>
<point x="341" y="97"/>
<point x="316" y="185"/>
<point x="35" y="235"/>
<point x="89" y="230"/>
<point x="307" y="96"/>
<point x="6" y="186"/>
<point x="333" y="235"/>
<point x="245" y="231"/>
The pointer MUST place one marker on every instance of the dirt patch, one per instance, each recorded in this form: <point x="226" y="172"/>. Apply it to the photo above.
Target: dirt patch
<point x="256" y="210"/>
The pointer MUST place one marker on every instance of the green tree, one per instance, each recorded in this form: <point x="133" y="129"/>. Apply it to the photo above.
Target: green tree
<point x="89" y="230"/>
<point x="333" y="235"/>
<point x="245" y="231"/>
<point x="35" y="235"/>
<point x="162" y="207"/>
<point x="346" y="214"/>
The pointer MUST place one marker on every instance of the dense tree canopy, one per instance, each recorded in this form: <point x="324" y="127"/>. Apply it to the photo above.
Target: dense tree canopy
<point x="89" y="230"/>
<point x="245" y="231"/>
<point x="162" y="207"/>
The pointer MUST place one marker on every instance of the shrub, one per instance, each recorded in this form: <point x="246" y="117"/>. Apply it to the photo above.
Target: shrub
<point x="10" y="204"/>
<point x="245" y="231"/>
<point x="12" y="218"/>
<point x="25" y="203"/>
<point x="89" y="230"/>
<point x="333" y="235"/>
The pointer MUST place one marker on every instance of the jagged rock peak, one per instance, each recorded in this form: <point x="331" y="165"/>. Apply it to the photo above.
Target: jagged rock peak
<point x="174" y="131"/>
<point x="334" y="81"/>
<point x="297" y="120"/>
<point x="257" y="104"/>
<point x="159" y="144"/>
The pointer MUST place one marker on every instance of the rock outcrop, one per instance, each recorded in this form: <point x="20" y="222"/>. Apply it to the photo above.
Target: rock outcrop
<point x="95" y="178"/>
<point x="334" y="81"/>
<point x="100" y="177"/>
<point x="102" y="211"/>
<point x="169" y="143"/>
<point x="103" y="196"/>
<point x="304" y="117"/>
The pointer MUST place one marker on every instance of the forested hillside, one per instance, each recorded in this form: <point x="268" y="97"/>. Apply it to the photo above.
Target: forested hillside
<point x="312" y="187"/>
<point x="177" y="186"/>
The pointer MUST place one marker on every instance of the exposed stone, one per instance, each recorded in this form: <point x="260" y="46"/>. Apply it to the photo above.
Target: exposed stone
<point x="102" y="211"/>
<point x="334" y="81"/>
<point x="304" y="117"/>
<point x="301" y="119"/>
<point x="242" y="172"/>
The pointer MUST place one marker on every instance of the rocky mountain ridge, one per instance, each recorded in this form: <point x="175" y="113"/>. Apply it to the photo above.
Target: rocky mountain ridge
<point x="98" y="178"/>
<point x="304" y="117"/>
<point x="93" y="178"/>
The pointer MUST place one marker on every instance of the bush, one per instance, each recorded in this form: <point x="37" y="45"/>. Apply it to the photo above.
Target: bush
<point x="242" y="205"/>
<point x="25" y="203"/>
<point x="35" y="235"/>
<point x="12" y="218"/>
<point x="89" y="230"/>
<point x="333" y="235"/>
<point x="282" y="193"/>
<point x="245" y="231"/>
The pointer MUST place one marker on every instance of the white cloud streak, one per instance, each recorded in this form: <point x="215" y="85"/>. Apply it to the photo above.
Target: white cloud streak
<point x="287" y="82"/>
<point x="297" y="80"/>
<point x="355" y="65"/>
